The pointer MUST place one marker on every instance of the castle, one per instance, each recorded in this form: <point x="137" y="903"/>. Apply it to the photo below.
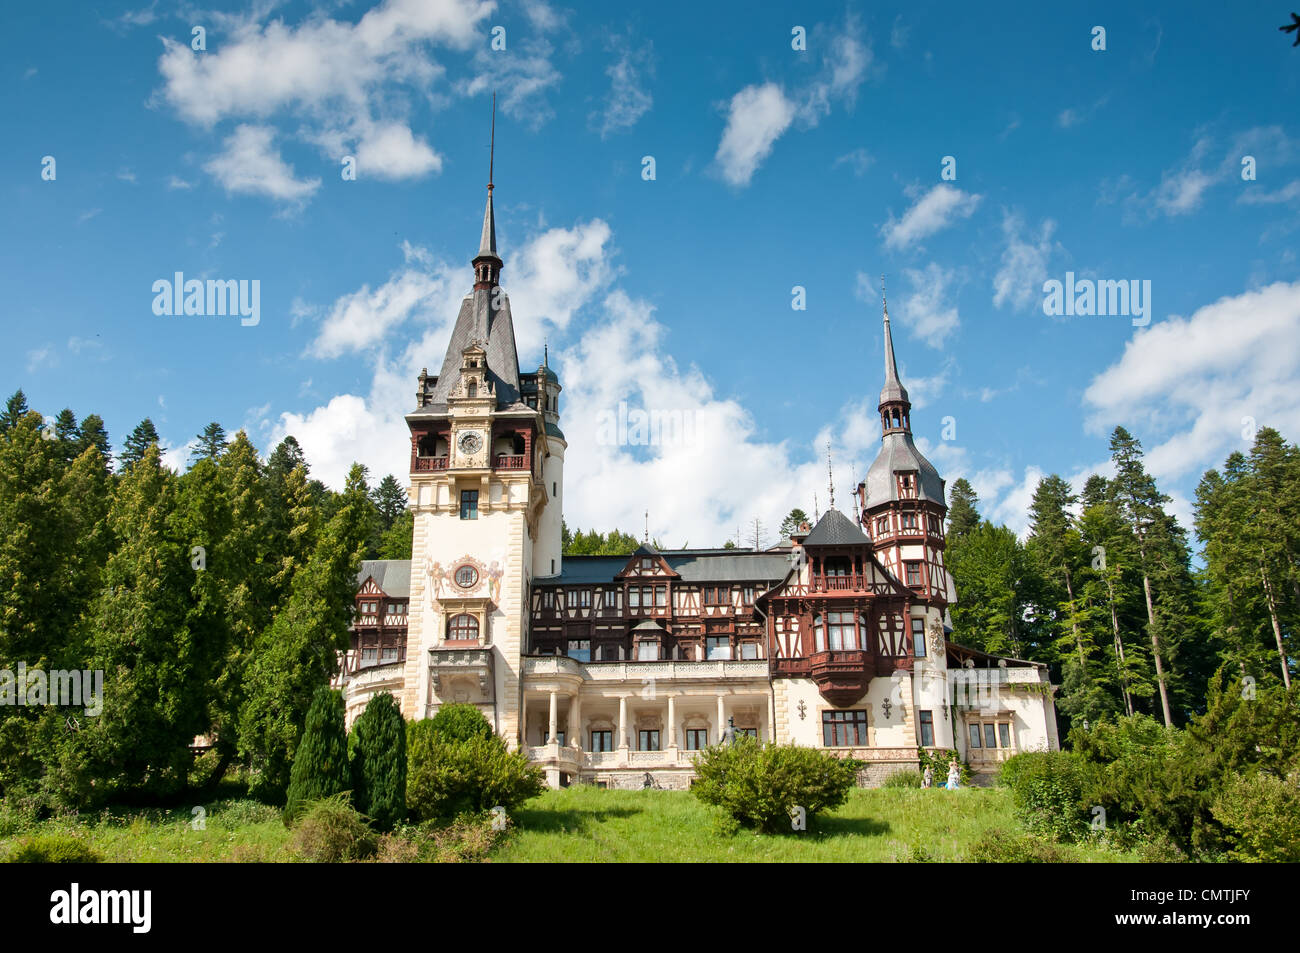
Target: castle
<point x="617" y="670"/>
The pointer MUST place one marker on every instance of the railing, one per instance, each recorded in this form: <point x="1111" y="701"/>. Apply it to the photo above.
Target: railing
<point x="430" y="463"/>
<point x="636" y="670"/>
<point x="511" y="462"/>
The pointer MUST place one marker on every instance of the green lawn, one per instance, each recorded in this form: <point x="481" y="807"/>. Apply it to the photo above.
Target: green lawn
<point x="587" y="824"/>
<point x="881" y="824"/>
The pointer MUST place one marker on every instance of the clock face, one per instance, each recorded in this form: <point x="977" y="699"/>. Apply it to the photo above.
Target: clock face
<point x="470" y="441"/>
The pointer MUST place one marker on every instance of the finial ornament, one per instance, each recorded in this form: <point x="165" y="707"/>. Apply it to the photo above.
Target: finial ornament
<point x="830" y="473"/>
<point x="492" y="148"/>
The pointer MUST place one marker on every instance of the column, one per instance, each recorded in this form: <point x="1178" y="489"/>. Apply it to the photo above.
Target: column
<point x="622" y="722"/>
<point x="555" y="713"/>
<point x="722" y="718"/>
<point x="575" y="721"/>
<point x="672" y="722"/>
<point x="523" y="720"/>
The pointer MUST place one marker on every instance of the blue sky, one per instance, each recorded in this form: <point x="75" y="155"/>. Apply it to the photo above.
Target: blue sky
<point x="774" y="168"/>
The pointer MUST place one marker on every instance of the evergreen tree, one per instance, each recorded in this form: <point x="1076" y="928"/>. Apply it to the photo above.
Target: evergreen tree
<point x="15" y="410"/>
<point x="212" y="443"/>
<point x="379" y="762"/>
<point x="989" y="567"/>
<point x="963" y="512"/>
<point x="93" y="434"/>
<point x="298" y="652"/>
<point x="390" y="500"/>
<point x="140" y="439"/>
<point x="396" y="542"/>
<point x="320" y="763"/>
<point x="790" y="525"/>
<point x="67" y="435"/>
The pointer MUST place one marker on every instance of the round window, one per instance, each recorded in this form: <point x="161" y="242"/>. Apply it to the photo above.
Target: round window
<point x="466" y="576"/>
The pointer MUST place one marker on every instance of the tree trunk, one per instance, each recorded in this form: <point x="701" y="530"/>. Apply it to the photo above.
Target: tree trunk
<point x="1155" y="645"/>
<point x="1277" y="629"/>
<point x="1074" y="620"/>
<point x="1119" y="650"/>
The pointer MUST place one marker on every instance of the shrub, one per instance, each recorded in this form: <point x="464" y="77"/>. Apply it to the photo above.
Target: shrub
<point x="453" y="723"/>
<point x="379" y="762"/>
<point x="1047" y="788"/>
<point x="1008" y="847"/>
<point x="17" y="815"/>
<point x="52" y="849"/>
<point x="320" y="765"/>
<point x="445" y="779"/>
<point x="470" y="838"/>
<point x="903" y="779"/>
<point x="761" y="784"/>
<point x="332" y="831"/>
<point x="244" y="812"/>
<point x="1262" y="816"/>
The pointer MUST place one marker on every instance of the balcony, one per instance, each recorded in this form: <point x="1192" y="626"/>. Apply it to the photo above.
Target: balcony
<point x="511" y="461"/>
<point x="423" y="464"/>
<point x="841" y="677"/>
<point x="634" y="671"/>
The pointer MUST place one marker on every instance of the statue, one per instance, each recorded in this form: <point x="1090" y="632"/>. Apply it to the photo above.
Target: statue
<point x="927" y="778"/>
<point x="954" y="776"/>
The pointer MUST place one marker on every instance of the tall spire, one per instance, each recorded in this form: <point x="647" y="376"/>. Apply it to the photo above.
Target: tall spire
<point x="487" y="264"/>
<point x="830" y="473"/>
<point x="893" y="391"/>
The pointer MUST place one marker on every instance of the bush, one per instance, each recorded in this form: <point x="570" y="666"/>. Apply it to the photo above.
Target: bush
<point x="243" y="812"/>
<point x="1008" y="847"/>
<point x="1261" y="814"/>
<point x="903" y="779"/>
<point x="761" y="784"/>
<point x="468" y="839"/>
<point x="445" y="779"/>
<point x="17" y="815"/>
<point x="320" y="765"/>
<point x="379" y="762"/>
<point x="52" y="849"/>
<point x="1047" y="788"/>
<point x="332" y="831"/>
<point x="454" y="723"/>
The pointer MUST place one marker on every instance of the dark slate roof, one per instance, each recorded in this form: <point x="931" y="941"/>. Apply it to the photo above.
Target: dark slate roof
<point x="391" y="575"/>
<point x="479" y="322"/>
<point x="898" y="452"/>
<point x="836" y="529"/>
<point x="552" y="430"/>
<point x="693" y="566"/>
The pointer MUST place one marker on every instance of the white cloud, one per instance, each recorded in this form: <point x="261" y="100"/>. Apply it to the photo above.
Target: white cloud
<point x="926" y="310"/>
<point x="392" y="151"/>
<point x="757" y="117"/>
<point x="1190" y="384"/>
<point x="251" y="164"/>
<point x="628" y="98"/>
<point x="931" y="212"/>
<point x="1181" y="192"/>
<point x="522" y="76"/>
<point x="859" y="160"/>
<point x="41" y="357"/>
<point x="1020" y="276"/>
<point x="176" y="183"/>
<point x="1288" y="193"/>
<point x="844" y="68"/>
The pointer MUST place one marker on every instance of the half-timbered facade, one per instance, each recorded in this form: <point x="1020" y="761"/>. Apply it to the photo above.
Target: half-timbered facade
<point x="617" y="670"/>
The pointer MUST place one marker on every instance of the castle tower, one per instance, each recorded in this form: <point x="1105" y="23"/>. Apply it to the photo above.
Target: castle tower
<point x="487" y="458"/>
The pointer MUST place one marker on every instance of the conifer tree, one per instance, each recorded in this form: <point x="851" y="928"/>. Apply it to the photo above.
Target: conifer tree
<point x="138" y="441"/>
<point x="379" y="762"/>
<point x="92" y="434"/>
<point x="15" y="409"/>
<point x="790" y="525"/>
<point x="212" y="443"/>
<point x="320" y="763"/>
<point x="963" y="513"/>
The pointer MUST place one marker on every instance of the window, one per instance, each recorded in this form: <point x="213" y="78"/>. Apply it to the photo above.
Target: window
<point x="697" y="739"/>
<point x="747" y="596"/>
<point x="909" y="520"/>
<point x="469" y="504"/>
<point x="661" y="596"/>
<point x="990" y="736"/>
<point x="580" y="649"/>
<point x="368" y="656"/>
<point x="935" y="526"/>
<point x="918" y="638"/>
<point x="1004" y="734"/>
<point x="647" y="651"/>
<point x="559" y="737"/>
<point x="837" y="566"/>
<point x="607" y="653"/>
<point x="463" y="627"/>
<point x="466" y="577"/>
<point x="648" y="740"/>
<point x="718" y="646"/>
<point x="548" y="600"/>
<point x="584" y="598"/>
<point x="844" y="729"/>
<point x="927" y="729"/>
<point x="882" y="526"/>
<point x="602" y="741"/>
<point x="842" y="631"/>
<point x="647" y="563"/>
<point x="749" y="650"/>
<point x="975" y="736"/>
<point x="634" y="598"/>
<point x="747" y="732"/>
<point x="913" y="573"/>
<point x="819" y="636"/>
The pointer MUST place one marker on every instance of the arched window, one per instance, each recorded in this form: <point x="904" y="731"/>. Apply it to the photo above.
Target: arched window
<point x="819" y="635"/>
<point x="472" y="389"/>
<point x="462" y="628"/>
